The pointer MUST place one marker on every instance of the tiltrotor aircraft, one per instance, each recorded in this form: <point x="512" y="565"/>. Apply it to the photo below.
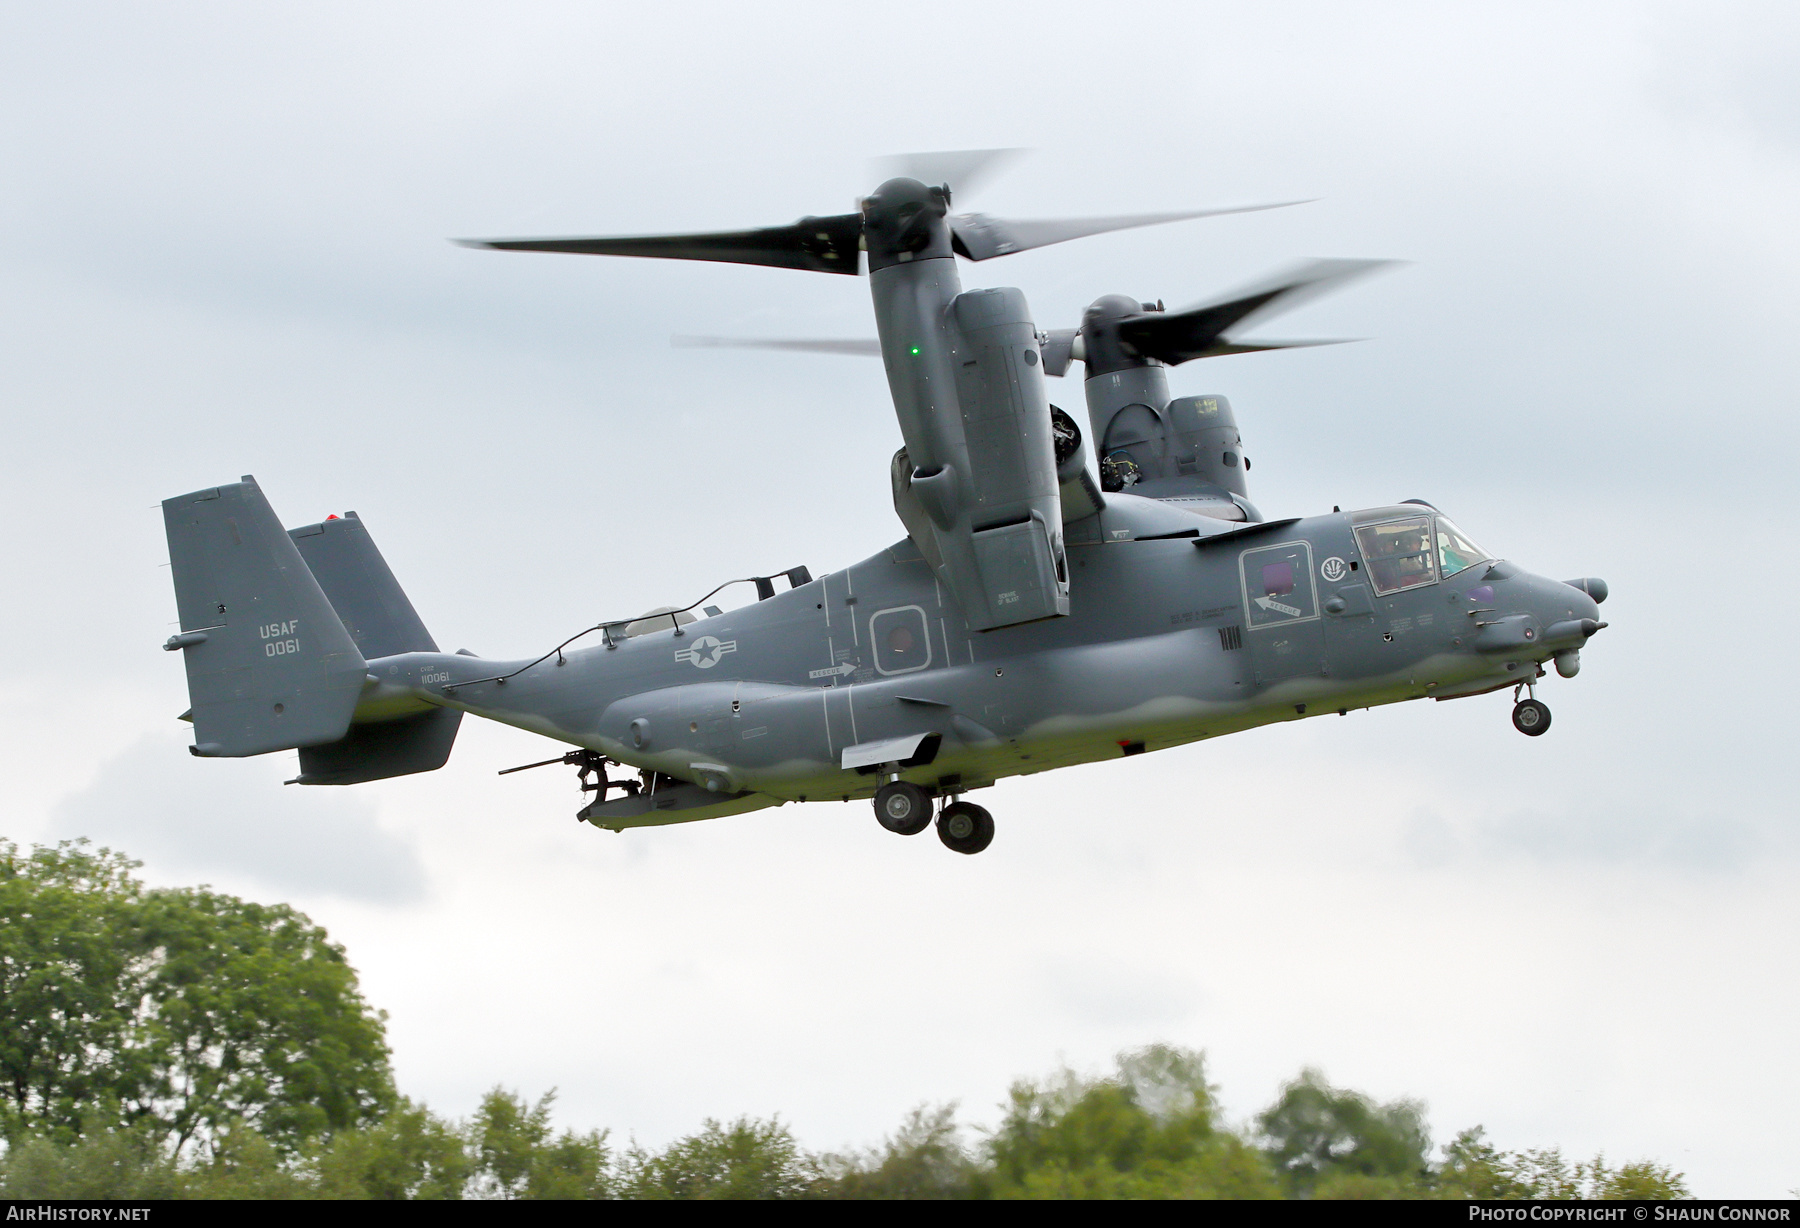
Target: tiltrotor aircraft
<point x="1061" y="596"/>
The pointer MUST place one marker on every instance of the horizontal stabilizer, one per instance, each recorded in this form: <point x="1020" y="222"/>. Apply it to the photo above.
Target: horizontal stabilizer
<point x="380" y="750"/>
<point x="269" y="664"/>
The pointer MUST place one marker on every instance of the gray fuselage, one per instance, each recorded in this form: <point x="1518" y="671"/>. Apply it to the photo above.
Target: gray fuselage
<point x="1169" y="639"/>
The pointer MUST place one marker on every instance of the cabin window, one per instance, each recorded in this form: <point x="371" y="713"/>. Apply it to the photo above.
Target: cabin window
<point x="1278" y="585"/>
<point x="1399" y="554"/>
<point x="902" y="640"/>
<point x="1456" y="552"/>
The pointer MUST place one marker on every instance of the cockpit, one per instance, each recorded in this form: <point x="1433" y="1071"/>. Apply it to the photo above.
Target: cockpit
<point x="1409" y="546"/>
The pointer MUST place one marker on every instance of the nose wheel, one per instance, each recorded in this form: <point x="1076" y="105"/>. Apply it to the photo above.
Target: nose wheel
<point x="1531" y="717"/>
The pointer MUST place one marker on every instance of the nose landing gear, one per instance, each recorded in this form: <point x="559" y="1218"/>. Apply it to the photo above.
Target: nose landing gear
<point x="1530" y="717"/>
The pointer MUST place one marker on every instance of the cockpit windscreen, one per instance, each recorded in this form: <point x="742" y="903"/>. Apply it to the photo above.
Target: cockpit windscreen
<point x="1456" y="552"/>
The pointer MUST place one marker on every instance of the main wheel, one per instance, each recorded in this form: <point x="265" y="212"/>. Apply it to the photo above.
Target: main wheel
<point x="965" y="827"/>
<point x="1531" y="717"/>
<point x="902" y="808"/>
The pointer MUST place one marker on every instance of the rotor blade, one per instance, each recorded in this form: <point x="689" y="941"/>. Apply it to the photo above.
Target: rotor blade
<point x="863" y="347"/>
<point x="1220" y="349"/>
<point x="1200" y="332"/>
<point x="980" y="237"/>
<point x="817" y="244"/>
<point x="963" y="169"/>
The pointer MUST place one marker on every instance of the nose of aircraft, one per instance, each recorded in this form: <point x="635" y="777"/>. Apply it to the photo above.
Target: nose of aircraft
<point x="1593" y="586"/>
<point x="1571" y="619"/>
<point x="1526" y="616"/>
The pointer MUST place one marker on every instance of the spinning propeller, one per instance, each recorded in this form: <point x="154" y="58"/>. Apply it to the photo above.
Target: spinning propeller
<point x="1119" y="332"/>
<point x="834" y="244"/>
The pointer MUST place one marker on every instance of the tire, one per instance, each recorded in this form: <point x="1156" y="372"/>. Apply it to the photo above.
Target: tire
<point x="1531" y="718"/>
<point x="965" y="827"/>
<point x="902" y="808"/>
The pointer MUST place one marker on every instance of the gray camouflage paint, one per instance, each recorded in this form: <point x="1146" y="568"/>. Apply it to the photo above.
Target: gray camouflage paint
<point x="738" y="700"/>
<point x="1015" y="630"/>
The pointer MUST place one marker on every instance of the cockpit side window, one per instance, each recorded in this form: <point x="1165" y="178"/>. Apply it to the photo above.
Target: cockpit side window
<point x="1399" y="554"/>
<point x="1456" y="552"/>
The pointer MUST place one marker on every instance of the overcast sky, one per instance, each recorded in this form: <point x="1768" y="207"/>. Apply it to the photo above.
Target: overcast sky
<point x="222" y="235"/>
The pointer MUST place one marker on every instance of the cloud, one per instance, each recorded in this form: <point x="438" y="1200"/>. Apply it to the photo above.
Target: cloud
<point x="1102" y="991"/>
<point x="1613" y="832"/>
<point x="193" y="818"/>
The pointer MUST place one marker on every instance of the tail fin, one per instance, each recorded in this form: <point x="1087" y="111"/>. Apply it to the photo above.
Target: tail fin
<point x="381" y="620"/>
<point x="269" y="664"/>
<point x="357" y="581"/>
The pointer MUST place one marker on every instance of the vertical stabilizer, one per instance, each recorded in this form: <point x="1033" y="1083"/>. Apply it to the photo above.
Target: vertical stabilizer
<point x="381" y="619"/>
<point x="269" y="664"/>
<point x="357" y="581"/>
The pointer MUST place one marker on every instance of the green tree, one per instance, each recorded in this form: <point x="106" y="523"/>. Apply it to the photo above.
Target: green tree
<point x="189" y="1012"/>
<point x="1643" y="1180"/>
<point x="519" y="1158"/>
<point x="925" y="1158"/>
<point x="411" y="1153"/>
<point x="129" y="1163"/>
<point x="244" y="1164"/>
<point x="255" y="1017"/>
<point x="1315" y="1131"/>
<point x="747" y="1159"/>
<point x="1151" y="1130"/>
<point x="1475" y="1168"/>
<point x="73" y="966"/>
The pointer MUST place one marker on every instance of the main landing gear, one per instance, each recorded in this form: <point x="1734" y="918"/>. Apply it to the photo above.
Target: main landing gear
<point x="965" y="827"/>
<point x="902" y="808"/>
<point x="905" y="809"/>
<point x="1531" y="717"/>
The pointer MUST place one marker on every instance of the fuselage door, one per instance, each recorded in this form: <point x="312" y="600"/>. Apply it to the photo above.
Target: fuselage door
<point x="1281" y="611"/>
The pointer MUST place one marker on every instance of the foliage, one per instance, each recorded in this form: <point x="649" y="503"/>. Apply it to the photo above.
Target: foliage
<point x="254" y="1016"/>
<point x="183" y="1013"/>
<point x="1151" y="1130"/>
<point x="1474" y="1168"/>
<point x="747" y="1159"/>
<point x="1327" y="1139"/>
<point x="125" y="1163"/>
<point x="73" y="970"/>
<point x="519" y="1158"/>
<point x="925" y="1158"/>
<point x="410" y="1153"/>
<point x="188" y="1044"/>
